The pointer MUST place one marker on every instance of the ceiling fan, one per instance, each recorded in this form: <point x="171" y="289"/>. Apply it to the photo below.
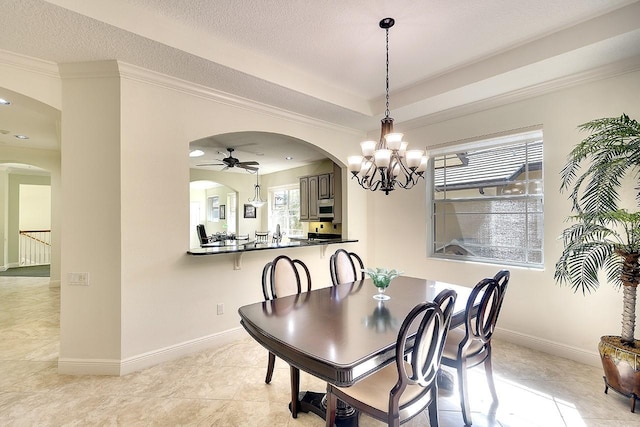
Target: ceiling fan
<point x="232" y="162"/>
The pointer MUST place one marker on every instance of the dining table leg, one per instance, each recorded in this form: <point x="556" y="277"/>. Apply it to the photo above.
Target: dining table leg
<point x="295" y="389"/>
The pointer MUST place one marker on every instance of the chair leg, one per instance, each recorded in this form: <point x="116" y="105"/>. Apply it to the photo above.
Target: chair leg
<point x="433" y="411"/>
<point x="270" y="366"/>
<point x="332" y="403"/>
<point x="464" y="394"/>
<point x="488" y="370"/>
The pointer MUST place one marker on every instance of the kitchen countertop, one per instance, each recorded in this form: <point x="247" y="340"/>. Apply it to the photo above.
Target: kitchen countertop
<point x="254" y="246"/>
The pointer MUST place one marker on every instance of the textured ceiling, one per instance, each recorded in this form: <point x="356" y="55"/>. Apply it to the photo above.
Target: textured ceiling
<point x="325" y="59"/>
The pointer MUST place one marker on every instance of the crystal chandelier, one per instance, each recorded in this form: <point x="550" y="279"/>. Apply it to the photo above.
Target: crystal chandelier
<point x="257" y="200"/>
<point x="387" y="163"/>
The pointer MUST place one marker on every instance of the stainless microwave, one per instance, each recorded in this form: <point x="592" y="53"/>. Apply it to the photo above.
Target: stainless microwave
<point x="325" y="209"/>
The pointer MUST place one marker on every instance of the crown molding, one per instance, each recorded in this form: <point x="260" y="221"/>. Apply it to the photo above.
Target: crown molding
<point x="601" y="73"/>
<point x="27" y="63"/>
<point x="135" y="73"/>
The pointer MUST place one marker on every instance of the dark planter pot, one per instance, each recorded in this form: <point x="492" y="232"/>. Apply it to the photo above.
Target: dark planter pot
<point x="621" y="365"/>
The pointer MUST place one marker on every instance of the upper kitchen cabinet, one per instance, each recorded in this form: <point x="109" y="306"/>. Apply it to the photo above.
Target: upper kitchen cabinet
<point x="304" y="198"/>
<point x="324" y="186"/>
<point x="313" y="198"/>
<point x="318" y="190"/>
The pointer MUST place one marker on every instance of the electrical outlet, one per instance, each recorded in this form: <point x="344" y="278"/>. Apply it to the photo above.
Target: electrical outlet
<point x="78" y="279"/>
<point x="220" y="308"/>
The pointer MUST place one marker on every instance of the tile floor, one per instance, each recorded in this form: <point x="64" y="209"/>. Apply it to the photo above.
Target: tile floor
<point x="225" y="386"/>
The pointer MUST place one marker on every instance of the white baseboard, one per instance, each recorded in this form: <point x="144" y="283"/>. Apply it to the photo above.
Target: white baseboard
<point x="152" y="358"/>
<point x="88" y="366"/>
<point x="146" y="360"/>
<point x="551" y="347"/>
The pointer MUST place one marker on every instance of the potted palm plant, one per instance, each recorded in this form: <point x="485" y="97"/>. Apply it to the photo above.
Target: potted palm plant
<point x="605" y="237"/>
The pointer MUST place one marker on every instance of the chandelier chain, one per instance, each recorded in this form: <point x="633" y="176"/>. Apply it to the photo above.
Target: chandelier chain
<point x="387" y="112"/>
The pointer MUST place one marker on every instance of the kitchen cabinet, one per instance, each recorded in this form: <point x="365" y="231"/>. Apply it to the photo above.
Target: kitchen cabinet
<point x="324" y="184"/>
<point x="309" y="198"/>
<point x="304" y="198"/>
<point x="320" y="187"/>
<point x="313" y="198"/>
<point x="332" y="185"/>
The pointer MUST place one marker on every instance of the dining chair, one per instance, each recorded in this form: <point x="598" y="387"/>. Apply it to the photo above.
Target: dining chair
<point x="281" y="277"/>
<point x="344" y="267"/>
<point x="402" y="390"/>
<point x="470" y="344"/>
<point x="277" y="236"/>
<point x="502" y="277"/>
<point x="202" y="234"/>
<point x="262" y="237"/>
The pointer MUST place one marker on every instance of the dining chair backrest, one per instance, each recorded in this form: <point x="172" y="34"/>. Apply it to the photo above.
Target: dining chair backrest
<point x="262" y="236"/>
<point x="345" y="266"/>
<point x="482" y="311"/>
<point x="285" y="276"/>
<point x="416" y="387"/>
<point x="502" y="277"/>
<point x="277" y="236"/>
<point x="202" y="234"/>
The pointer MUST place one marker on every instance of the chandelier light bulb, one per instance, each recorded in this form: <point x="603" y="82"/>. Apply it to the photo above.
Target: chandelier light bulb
<point x="403" y="149"/>
<point x="355" y="163"/>
<point x="413" y="158"/>
<point x="368" y="148"/>
<point x="423" y="164"/>
<point x="382" y="157"/>
<point x="394" y="140"/>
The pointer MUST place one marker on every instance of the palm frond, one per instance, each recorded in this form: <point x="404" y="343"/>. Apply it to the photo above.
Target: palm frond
<point x="612" y="150"/>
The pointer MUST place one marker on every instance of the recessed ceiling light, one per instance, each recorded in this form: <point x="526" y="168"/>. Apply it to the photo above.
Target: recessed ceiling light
<point x="4" y="101"/>
<point x="196" y="153"/>
<point x="288" y="158"/>
<point x="21" y="136"/>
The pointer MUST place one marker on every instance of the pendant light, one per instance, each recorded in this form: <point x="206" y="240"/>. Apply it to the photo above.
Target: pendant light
<point x="257" y="200"/>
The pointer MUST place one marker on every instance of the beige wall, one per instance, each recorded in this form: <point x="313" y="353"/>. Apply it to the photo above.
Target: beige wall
<point x="146" y="295"/>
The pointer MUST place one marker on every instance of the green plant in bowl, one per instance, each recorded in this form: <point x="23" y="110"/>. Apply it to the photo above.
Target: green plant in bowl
<point x="381" y="278"/>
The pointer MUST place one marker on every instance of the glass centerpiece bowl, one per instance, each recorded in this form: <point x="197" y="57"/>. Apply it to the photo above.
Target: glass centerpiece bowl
<point x="381" y="278"/>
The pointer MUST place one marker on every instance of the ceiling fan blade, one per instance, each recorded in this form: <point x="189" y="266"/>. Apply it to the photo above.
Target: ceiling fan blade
<point x="249" y="168"/>
<point x="252" y="162"/>
<point x="210" y="164"/>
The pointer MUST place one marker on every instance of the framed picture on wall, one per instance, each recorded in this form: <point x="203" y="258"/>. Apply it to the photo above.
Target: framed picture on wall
<point x="249" y="211"/>
<point x="223" y="212"/>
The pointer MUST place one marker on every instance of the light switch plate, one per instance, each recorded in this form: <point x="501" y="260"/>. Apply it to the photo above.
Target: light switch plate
<point x="78" y="279"/>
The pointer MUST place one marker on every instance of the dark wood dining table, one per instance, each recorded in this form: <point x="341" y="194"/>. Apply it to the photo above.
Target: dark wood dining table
<point x="340" y="334"/>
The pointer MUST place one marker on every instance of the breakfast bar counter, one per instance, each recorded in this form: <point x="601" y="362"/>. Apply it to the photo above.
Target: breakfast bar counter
<point x="240" y="247"/>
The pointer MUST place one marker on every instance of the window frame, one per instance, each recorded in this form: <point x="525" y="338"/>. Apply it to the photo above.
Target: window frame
<point x="489" y="142"/>
<point x="271" y="204"/>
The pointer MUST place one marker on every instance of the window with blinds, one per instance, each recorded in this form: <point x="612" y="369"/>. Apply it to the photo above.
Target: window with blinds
<point x="487" y="200"/>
